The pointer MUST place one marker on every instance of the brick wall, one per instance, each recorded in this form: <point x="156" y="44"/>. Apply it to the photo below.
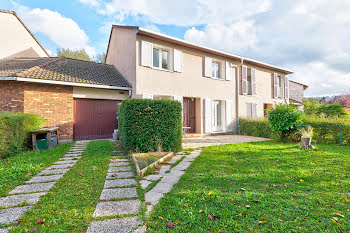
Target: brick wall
<point x="52" y="102"/>
<point x="11" y="96"/>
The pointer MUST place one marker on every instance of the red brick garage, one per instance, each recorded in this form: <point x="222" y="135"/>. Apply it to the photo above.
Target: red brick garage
<point x="78" y="96"/>
<point x="94" y="119"/>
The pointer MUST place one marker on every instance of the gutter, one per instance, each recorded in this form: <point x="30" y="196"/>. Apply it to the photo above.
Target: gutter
<point x="32" y="80"/>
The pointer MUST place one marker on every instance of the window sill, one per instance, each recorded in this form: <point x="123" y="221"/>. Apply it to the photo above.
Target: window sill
<point x="161" y="69"/>
<point x="220" y="79"/>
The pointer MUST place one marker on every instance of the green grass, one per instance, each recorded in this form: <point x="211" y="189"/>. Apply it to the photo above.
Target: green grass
<point x="69" y="205"/>
<point x="13" y="170"/>
<point x="288" y="189"/>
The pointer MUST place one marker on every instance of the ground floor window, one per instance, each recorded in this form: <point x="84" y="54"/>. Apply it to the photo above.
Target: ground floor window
<point x="217" y="115"/>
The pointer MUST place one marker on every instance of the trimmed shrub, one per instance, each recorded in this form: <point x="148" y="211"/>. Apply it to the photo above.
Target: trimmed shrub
<point x="145" y="124"/>
<point x="14" y="129"/>
<point x="256" y="128"/>
<point x="326" y="130"/>
<point x="331" y="110"/>
<point x="285" y="119"/>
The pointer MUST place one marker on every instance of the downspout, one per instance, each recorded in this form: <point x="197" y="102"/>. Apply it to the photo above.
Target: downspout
<point x="237" y="94"/>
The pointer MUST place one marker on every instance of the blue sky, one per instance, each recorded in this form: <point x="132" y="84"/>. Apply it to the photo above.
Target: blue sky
<point x="306" y="36"/>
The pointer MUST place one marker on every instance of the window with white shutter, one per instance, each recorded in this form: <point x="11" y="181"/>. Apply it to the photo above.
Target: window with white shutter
<point x="228" y="71"/>
<point x="275" y="87"/>
<point x="208" y="66"/>
<point x="229" y="118"/>
<point x="147" y="96"/>
<point x="207" y="115"/>
<point x="178" y="63"/>
<point x="286" y="88"/>
<point x="146" y="53"/>
<point x="244" y="81"/>
<point x="251" y="110"/>
<point x="254" y="114"/>
<point x="253" y="81"/>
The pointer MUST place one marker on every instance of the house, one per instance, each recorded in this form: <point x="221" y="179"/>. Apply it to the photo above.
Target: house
<point x="78" y="96"/>
<point x="296" y="93"/>
<point x="16" y="40"/>
<point x="214" y="87"/>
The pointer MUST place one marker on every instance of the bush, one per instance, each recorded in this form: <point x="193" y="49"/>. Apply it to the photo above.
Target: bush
<point x="285" y="119"/>
<point x="326" y="130"/>
<point x="331" y="110"/>
<point x="256" y="128"/>
<point x="145" y="124"/>
<point x="14" y="129"/>
<point x="310" y="107"/>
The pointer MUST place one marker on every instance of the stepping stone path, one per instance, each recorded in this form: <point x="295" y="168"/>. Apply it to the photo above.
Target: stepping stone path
<point x="168" y="179"/>
<point x="31" y="192"/>
<point x="119" y="200"/>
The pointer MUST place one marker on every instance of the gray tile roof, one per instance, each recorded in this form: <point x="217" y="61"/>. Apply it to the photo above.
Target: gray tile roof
<point x="64" y="70"/>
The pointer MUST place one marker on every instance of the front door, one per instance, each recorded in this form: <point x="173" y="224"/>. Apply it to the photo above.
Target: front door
<point x="189" y="114"/>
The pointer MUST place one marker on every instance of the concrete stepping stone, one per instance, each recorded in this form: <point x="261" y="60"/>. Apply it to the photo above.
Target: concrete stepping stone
<point x="15" y="200"/>
<point x="72" y="154"/>
<point x="182" y="166"/>
<point x="12" y="214"/>
<point x="145" y="183"/>
<point x="110" y="208"/>
<point x="61" y="166"/>
<point x="32" y="188"/>
<point x="153" y="177"/>
<point x="164" y="169"/>
<point x="176" y="172"/>
<point x="120" y="169"/>
<point x="119" y="183"/>
<point x="108" y="194"/>
<point x="116" y="225"/>
<point x="52" y="172"/>
<point x="153" y="197"/>
<point x="75" y="158"/>
<point x="69" y="161"/>
<point x="171" y="179"/>
<point x="119" y="160"/>
<point x="162" y="187"/>
<point x="5" y="230"/>
<point x="175" y="159"/>
<point x="40" y="179"/>
<point x="119" y="164"/>
<point x="117" y="175"/>
<point x="141" y="229"/>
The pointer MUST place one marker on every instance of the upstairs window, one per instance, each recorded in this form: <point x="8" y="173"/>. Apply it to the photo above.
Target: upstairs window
<point x="249" y="81"/>
<point x="161" y="59"/>
<point x="215" y="70"/>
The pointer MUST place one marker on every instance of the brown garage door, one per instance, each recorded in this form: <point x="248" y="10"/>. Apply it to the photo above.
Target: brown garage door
<point x="94" y="119"/>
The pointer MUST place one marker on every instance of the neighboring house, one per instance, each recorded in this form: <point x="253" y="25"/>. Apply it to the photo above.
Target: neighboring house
<point x="78" y="96"/>
<point x="16" y="40"/>
<point x="296" y="93"/>
<point x="214" y="87"/>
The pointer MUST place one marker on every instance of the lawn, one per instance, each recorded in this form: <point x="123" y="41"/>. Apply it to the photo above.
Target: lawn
<point x="17" y="169"/>
<point x="69" y="205"/>
<point x="260" y="187"/>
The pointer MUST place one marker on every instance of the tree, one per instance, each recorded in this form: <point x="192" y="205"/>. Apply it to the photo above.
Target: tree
<point x="79" y="54"/>
<point x="310" y="107"/>
<point x="331" y="110"/>
<point x="343" y="100"/>
<point x="285" y="119"/>
<point x="101" y="58"/>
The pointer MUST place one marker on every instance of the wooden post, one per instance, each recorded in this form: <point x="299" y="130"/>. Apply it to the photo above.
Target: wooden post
<point x="57" y="136"/>
<point x="34" y="141"/>
<point x="49" y="140"/>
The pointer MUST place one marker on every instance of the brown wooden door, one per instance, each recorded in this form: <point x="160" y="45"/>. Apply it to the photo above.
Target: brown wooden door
<point x="189" y="114"/>
<point x="94" y="119"/>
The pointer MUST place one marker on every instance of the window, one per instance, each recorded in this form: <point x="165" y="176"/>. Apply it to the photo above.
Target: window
<point x="215" y="70"/>
<point x="156" y="57"/>
<point x="165" y="60"/>
<point x="160" y="59"/>
<point x="249" y="81"/>
<point x="251" y="110"/>
<point x="216" y="115"/>
<point x="279" y="86"/>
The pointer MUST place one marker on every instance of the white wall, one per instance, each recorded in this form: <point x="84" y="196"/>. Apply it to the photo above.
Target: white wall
<point x="15" y="40"/>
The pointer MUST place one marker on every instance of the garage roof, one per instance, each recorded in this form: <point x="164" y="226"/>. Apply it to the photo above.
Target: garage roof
<point x="63" y="69"/>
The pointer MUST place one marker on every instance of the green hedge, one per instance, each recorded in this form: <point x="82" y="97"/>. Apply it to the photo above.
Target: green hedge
<point x="14" y="129"/>
<point x="326" y="130"/>
<point x="146" y="124"/>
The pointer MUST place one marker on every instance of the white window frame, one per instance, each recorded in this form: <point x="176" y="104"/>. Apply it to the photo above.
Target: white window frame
<point x="279" y="86"/>
<point x="160" y="58"/>
<point x="220" y="70"/>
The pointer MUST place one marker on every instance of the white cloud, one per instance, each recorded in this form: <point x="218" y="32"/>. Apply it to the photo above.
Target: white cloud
<point x="93" y="3"/>
<point x="152" y="27"/>
<point x="63" y="31"/>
